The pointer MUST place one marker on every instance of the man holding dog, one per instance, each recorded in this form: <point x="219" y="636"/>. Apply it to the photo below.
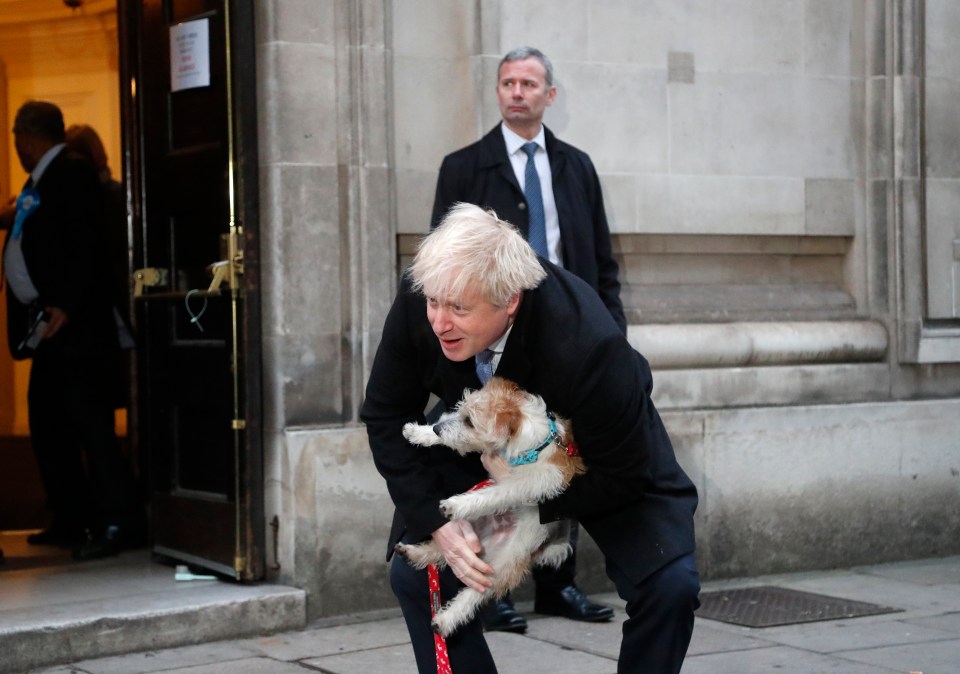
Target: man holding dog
<point x="475" y="285"/>
<point x="565" y="221"/>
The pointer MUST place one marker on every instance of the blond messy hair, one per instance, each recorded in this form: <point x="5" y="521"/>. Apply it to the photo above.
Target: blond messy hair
<point x="473" y="247"/>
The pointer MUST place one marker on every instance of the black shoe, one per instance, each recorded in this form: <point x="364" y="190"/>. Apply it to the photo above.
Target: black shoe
<point x="108" y="543"/>
<point x="500" y="616"/>
<point x="59" y="535"/>
<point x="571" y="603"/>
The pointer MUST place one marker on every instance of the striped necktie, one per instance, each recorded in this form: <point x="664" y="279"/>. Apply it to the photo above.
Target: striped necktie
<point x="484" y="365"/>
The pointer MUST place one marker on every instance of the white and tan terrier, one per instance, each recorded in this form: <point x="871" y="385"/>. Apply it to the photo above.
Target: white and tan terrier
<point x="501" y="418"/>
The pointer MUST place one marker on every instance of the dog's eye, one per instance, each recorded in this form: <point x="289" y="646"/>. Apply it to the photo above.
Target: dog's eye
<point x="467" y="422"/>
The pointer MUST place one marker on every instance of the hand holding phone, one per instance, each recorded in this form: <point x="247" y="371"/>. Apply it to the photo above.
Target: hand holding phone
<point x="36" y="331"/>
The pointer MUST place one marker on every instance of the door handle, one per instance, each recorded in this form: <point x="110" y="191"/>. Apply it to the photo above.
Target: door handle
<point x="148" y="277"/>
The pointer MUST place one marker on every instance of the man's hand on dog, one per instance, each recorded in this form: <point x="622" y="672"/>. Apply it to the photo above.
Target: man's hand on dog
<point x="459" y="544"/>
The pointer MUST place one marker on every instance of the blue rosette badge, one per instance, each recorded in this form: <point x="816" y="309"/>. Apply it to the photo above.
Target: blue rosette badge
<point x="27" y="203"/>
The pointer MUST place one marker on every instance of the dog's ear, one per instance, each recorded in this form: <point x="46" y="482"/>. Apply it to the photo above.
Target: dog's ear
<point x="508" y="422"/>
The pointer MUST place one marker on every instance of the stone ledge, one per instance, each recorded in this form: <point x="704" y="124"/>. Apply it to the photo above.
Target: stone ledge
<point x="721" y="345"/>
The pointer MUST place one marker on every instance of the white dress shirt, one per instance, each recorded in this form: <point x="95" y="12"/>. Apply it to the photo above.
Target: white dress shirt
<point x="518" y="159"/>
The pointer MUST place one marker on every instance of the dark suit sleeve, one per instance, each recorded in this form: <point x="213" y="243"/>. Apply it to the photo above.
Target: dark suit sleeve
<point x="620" y="434"/>
<point x="395" y="395"/>
<point x="448" y="192"/>
<point x="70" y="246"/>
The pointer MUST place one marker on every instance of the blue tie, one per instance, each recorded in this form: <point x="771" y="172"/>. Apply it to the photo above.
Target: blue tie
<point x="484" y="365"/>
<point x="531" y="190"/>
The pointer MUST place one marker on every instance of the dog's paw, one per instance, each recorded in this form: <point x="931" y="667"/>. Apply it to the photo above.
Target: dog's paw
<point x="455" y="507"/>
<point x="420" y="435"/>
<point x="403" y="550"/>
<point x="442" y="626"/>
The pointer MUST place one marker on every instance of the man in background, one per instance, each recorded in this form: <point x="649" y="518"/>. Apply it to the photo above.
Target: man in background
<point x="550" y="191"/>
<point x="57" y="268"/>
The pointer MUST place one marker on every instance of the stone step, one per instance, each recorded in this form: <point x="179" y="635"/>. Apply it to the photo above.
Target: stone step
<point x="69" y="612"/>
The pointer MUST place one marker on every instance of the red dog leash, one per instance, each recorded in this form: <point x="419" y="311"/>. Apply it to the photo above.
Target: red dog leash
<point x="439" y="643"/>
<point x="433" y="581"/>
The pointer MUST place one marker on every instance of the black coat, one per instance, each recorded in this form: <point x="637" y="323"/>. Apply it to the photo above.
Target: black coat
<point x="635" y="500"/>
<point x="64" y="247"/>
<point x="481" y="174"/>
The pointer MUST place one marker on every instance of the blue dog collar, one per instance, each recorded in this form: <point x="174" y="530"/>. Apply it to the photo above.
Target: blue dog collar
<point x="531" y="455"/>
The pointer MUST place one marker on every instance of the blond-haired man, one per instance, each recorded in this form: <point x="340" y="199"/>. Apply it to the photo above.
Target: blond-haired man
<point x="476" y="285"/>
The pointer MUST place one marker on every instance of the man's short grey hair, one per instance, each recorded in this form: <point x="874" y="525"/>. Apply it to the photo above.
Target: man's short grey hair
<point x="474" y="248"/>
<point x="40" y="119"/>
<point x="521" y="53"/>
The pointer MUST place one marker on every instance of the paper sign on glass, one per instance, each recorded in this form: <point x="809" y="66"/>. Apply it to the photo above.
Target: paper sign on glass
<point x="190" y="55"/>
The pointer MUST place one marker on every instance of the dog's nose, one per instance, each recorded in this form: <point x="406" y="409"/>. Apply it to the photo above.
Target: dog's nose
<point x="436" y="428"/>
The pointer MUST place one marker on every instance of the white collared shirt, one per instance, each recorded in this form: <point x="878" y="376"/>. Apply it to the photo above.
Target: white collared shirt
<point x="14" y="264"/>
<point x="518" y="160"/>
<point x="44" y="162"/>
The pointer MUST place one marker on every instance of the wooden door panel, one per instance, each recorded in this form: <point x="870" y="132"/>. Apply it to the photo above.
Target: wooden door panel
<point x="193" y="404"/>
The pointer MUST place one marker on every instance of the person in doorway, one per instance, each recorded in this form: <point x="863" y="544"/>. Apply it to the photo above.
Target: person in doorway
<point x="560" y="211"/>
<point x="56" y="264"/>
<point x="475" y="285"/>
<point x="85" y="141"/>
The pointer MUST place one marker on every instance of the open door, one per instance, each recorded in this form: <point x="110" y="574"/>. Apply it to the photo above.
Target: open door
<point x="191" y="155"/>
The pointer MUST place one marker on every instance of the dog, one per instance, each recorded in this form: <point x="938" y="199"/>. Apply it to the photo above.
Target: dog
<point x="501" y="418"/>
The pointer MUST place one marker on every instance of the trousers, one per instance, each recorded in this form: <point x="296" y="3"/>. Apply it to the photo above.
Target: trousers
<point x="656" y="633"/>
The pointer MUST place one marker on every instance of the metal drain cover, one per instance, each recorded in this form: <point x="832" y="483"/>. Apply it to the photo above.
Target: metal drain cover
<point x="769" y="606"/>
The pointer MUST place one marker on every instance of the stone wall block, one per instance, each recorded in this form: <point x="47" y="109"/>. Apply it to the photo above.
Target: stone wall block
<point x="727" y="205"/>
<point x="942" y="129"/>
<point x="741" y="124"/>
<point x="297" y="99"/>
<point x="451" y="25"/>
<point x="943" y="248"/>
<point x="831" y="127"/>
<point x="342" y="519"/>
<point x="940" y="46"/>
<point x="878" y="221"/>
<point x="831" y="40"/>
<point x="622" y="138"/>
<point x="875" y="38"/>
<point x="620" y="201"/>
<point x="830" y="207"/>
<point x="878" y="127"/>
<point x="305" y="249"/>
<point x="415" y="192"/>
<point x="426" y="132"/>
<point x="556" y="27"/>
<point x="309" y="386"/>
<point x="802" y="516"/>
<point x="303" y="21"/>
<point x="623" y="31"/>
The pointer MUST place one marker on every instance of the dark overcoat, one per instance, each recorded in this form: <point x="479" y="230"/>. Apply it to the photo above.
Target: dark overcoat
<point x="635" y="500"/>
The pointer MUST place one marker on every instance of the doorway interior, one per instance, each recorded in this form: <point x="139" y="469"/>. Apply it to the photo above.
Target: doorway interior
<point x="103" y="63"/>
<point x="48" y="51"/>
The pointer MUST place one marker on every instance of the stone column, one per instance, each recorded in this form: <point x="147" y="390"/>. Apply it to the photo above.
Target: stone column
<point x="328" y="247"/>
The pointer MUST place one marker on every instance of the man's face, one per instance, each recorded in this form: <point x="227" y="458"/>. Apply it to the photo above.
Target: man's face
<point x="523" y="94"/>
<point x="25" y="145"/>
<point x="467" y="327"/>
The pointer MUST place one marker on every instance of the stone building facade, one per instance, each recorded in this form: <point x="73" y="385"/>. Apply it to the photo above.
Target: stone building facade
<point x="782" y="179"/>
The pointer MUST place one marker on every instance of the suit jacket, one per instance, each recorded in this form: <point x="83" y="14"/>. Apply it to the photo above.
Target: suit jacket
<point x="63" y="244"/>
<point x="635" y="500"/>
<point x="481" y="174"/>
